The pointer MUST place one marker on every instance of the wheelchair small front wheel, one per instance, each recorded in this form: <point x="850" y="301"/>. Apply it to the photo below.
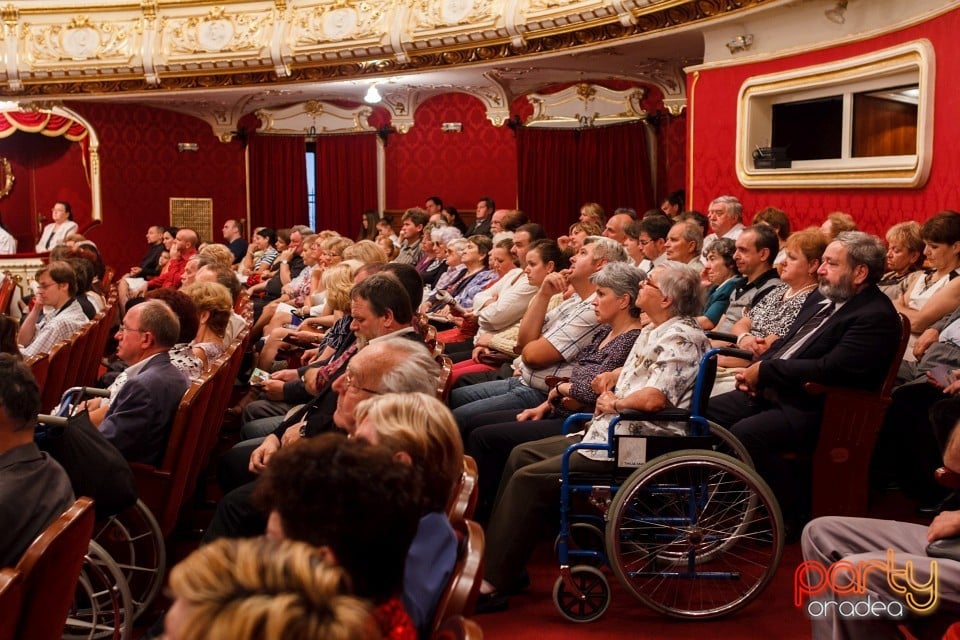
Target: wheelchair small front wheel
<point x="590" y="603"/>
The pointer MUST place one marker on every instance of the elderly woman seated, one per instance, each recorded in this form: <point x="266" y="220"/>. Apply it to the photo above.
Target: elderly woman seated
<point x="658" y="373"/>
<point x="214" y="306"/>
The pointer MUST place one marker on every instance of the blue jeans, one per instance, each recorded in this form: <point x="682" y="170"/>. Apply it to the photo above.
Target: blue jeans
<point x="497" y="395"/>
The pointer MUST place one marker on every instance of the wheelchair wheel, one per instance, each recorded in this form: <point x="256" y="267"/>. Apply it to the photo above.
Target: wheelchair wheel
<point x="102" y="604"/>
<point x="584" y="536"/>
<point x="694" y="534"/>
<point x="134" y="541"/>
<point x="594" y="595"/>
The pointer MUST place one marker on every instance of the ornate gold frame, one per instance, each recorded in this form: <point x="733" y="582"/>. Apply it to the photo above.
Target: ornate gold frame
<point x="8" y="177"/>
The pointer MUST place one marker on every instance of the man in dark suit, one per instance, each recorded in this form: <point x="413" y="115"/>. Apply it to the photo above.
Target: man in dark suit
<point x="139" y="419"/>
<point x="481" y="226"/>
<point x="845" y="335"/>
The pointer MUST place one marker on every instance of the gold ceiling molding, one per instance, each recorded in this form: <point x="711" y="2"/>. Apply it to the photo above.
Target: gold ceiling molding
<point x="585" y="105"/>
<point x="187" y="44"/>
<point x="315" y="117"/>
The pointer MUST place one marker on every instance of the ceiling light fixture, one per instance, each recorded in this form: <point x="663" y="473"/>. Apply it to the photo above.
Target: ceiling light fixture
<point x="836" y="14"/>
<point x="740" y="43"/>
<point x="373" y="96"/>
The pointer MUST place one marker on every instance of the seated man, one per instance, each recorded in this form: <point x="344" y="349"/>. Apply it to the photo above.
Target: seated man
<point x="659" y="373"/>
<point x="34" y="488"/>
<point x="56" y="314"/>
<point x="393" y="365"/>
<point x="830" y="540"/>
<point x="548" y="343"/>
<point x="139" y="419"/>
<point x="845" y="335"/>
<point x="757" y="246"/>
<point x="186" y="244"/>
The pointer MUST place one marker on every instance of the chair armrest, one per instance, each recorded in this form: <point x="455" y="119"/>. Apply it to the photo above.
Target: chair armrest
<point x="656" y="416"/>
<point x="948" y="548"/>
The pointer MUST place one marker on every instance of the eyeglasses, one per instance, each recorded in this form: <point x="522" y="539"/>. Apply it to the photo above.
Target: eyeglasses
<point x="348" y="381"/>
<point x="124" y="328"/>
<point x="650" y="283"/>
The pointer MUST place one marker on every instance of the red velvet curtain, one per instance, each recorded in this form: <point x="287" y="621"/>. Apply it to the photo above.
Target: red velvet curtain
<point x="560" y="169"/>
<point x="278" y="181"/>
<point x="346" y="180"/>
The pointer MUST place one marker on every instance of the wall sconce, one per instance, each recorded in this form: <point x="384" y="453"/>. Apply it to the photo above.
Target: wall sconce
<point x="836" y="15"/>
<point x="187" y="146"/>
<point x="373" y="96"/>
<point x="740" y="43"/>
<point x="451" y="127"/>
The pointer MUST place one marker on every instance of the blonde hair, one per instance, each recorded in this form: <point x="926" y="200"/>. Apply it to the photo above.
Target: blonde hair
<point x="336" y="244"/>
<point x="840" y="222"/>
<point x="218" y="252"/>
<point x="423" y="427"/>
<point x="215" y="299"/>
<point x="246" y="589"/>
<point x="337" y="282"/>
<point x="366" y="251"/>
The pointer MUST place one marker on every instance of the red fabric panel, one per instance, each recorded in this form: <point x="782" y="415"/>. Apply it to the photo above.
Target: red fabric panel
<point x="548" y="179"/>
<point x="462" y="167"/>
<point x="714" y="109"/>
<point x="561" y="169"/>
<point x="346" y="180"/>
<point x="278" y="181"/>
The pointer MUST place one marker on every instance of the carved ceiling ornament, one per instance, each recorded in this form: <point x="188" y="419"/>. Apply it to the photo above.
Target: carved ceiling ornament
<point x="217" y="32"/>
<point x="80" y="40"/>
<point x="585" y="105"/>
<point x="315" y="117"/>
<point x="265" y="42"/>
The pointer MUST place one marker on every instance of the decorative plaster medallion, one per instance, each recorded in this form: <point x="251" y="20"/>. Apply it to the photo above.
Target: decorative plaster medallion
<point x="454" y="11"/>
<point x="214" y="35"/>
<point x="80" y="43"/>
<point x="339" y="23"/>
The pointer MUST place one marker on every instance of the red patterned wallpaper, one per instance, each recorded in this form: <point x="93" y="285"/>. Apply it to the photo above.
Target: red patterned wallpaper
<point x="714" y="131"/>
<point x="462" y="167"/>
<point x="141" y="169"/>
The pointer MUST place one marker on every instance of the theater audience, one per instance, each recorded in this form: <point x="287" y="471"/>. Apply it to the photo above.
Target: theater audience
<point x="186" y="244"/>
<point x="56" y="231"/>
<point x="904" y="256"/>
<point x="264" y="243"/>
<point x="756" y="248"/>
<point x="411" y="230"/>
<point x="836" y="223"/>
<point x="214" y="307"/>
<point x="726" y="221"/>
<point x="777" y="220"/>
<point x="722" y="274"/>
<point x="235" y="242"/>
<point x="684" y="242"/>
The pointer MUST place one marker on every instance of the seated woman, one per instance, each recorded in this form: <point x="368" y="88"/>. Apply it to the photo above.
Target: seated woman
<point x="502" y="264"/>
<point x="440" y="237"/>
<point x="61" y="226"/>
<point x="239" y="589"/>
<point x="659" y="372"/>
<point x="294" y="293"/>
<point x="312" y="303"/>
<point x="543" y="258"/>
<point x="771" y="317"/>
<point x="337" y="281"/>
<point x="263" y="245"/>
<point x="904" y="256"/>
<point x="577" y="233"/>
<point x="930" y="295"/>
<point x="214" y="307"/>
<point x="418" y="428"/>
<point x="495" y="434"/>
<point x="455" y="269"/>
<point x="359" y="504"/>
<point x="722" y="273"/>
<point x="476" y="276"/>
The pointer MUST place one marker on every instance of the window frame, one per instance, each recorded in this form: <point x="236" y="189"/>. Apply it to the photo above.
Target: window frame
<point x="903" y="64"/>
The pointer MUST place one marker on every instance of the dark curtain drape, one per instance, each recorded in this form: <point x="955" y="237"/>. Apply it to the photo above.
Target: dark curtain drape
<point x="560" y="169"/>
<point x="346" y="180"/>
<point x="278" y="181"/>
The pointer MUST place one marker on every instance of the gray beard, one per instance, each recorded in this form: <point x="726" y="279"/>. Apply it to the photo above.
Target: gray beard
<point x="837" y="292"/>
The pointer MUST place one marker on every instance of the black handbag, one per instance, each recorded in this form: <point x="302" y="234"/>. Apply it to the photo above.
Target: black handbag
<point x="95" y="467"/>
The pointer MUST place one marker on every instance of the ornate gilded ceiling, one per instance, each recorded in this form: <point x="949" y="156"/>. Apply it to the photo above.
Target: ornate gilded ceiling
<point x="220" y="60"/>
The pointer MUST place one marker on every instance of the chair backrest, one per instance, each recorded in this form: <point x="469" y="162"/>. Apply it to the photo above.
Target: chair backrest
<point x="460" y="595"/>
<point x="162" y="488"/>
<point x="54" y="383"/>
<point x="39" y="365"/>
<point x="51" y="568"/>
<point x="6" y="293"/>
<point x="11" y="600"/>
<point x="848" y="433"/>
<point x="445" y="383"/>
<point x="458" y="628"/>
<point x="464" y="500"/>
<point x="78" y="349"/>
<point x="108" y="274"/>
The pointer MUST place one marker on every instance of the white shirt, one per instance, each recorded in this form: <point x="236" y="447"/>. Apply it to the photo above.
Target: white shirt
<point x="55" y="237"/>
<point x="8" y="244"/>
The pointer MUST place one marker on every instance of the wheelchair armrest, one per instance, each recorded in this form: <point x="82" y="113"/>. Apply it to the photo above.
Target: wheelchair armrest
<point x="51" y="421"/>
<point x="948" y="548"/>
<point x="656" y="416"/>
<point x="96" y="392"/>
<point x="733" y="352"/>
<point x="721" y="336"/>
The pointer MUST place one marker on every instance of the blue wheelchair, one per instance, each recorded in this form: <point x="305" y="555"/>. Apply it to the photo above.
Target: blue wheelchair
<point x="684" y="522"/>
